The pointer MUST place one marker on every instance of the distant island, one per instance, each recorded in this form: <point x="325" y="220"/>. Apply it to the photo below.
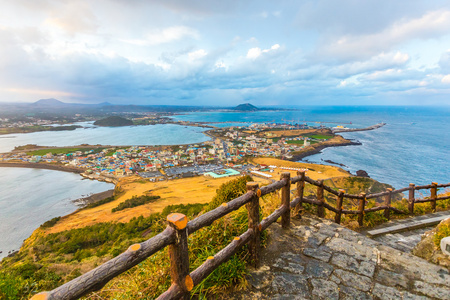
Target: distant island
<point x="246" y="107"/>
<point x="113" y="121"/>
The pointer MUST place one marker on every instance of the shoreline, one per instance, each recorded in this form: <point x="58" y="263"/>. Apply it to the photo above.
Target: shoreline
<point x="42" y="166"/>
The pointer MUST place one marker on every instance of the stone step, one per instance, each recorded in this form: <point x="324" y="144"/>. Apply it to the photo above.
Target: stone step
<point x="413" y="224"/>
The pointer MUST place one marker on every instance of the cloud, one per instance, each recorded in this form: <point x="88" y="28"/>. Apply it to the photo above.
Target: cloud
<point x="163" y="36"/>
<point x="254" y="53"/>
<point x="446" y="79"/>
<point x="73" y="18"/>
<point x="430" y="25"/>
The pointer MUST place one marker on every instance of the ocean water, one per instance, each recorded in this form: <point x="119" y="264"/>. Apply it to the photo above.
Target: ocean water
<point x="29" y="197"/>
<point x="414" y="146"/>
<point x="161" y="134"/>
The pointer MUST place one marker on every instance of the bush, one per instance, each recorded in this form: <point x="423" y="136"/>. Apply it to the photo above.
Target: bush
<point x="100" y="202"/>
<point x="50" y="223"/>
<point x="135" y="201"/>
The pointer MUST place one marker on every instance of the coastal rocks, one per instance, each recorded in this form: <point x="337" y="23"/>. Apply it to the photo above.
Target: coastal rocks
<point x="334" y="163"/>
<point x="362" y="173"/>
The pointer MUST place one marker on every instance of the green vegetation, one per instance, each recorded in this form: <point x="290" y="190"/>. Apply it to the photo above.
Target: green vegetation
<point x="26" y="129"/>
<point x="321" y="137"/>
<point x="57" y="151"/>
<point x="229" y="190"/>
<point x="50" y="223"/>
<point x="442" y="231"/>
<point x="101" y="202"/>
<point x="297" y="142"/>
<point x="113" y="121"/>
<point x="135" y="201"/>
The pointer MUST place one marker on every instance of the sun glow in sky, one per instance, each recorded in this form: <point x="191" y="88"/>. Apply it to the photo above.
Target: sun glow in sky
<point x="199" y="52"/>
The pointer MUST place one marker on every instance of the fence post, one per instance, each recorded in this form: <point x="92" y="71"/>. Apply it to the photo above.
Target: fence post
<point x="433" y="196"/>
<point x="253" y="223"/>
<point x="300" y="190"/>
<point x="179" y="254"/>
<point x="285" y="200"/>
<point x="320" y="208"/>
<point x="339" y="202"/>
<point x="411" y="199"/>
<point x="362" y="204"/>
<point x="387" y="203"/>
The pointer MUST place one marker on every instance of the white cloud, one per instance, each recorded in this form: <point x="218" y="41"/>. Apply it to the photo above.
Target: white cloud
<point x="430" y="25"/>
<point x="446" y="79"/>
<point x="253" y="53"/>
<point x="194" y="55"/>
<point x="163" y="36"/>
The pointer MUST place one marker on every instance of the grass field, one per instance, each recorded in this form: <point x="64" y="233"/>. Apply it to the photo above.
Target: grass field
<point x="321" y="136"/>
<point x="56" y="151"/>
<point x="199" y="189"/>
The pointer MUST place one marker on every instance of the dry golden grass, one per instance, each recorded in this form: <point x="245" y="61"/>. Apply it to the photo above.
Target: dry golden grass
<point x="199" y="189"/>
<point x="315" y="171"/>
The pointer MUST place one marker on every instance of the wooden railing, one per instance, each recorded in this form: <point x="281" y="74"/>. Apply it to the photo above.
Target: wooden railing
<point x="176" y="234"/>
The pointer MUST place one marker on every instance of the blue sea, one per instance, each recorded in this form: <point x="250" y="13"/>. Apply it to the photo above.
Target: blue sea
<point x="412" y="148"/>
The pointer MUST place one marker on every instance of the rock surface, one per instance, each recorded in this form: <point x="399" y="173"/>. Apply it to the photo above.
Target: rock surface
<point x="318" y="259"/>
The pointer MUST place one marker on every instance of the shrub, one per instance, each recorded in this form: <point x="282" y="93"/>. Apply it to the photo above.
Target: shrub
<point x="50" y="223"/>
<point x="135" y="201"/>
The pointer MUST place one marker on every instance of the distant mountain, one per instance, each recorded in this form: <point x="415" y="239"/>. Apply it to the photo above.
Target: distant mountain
<point x="49" y="102"/>
<point x="104" y="104"/>
<point x="113" y="121"/>
<point x="246" y="107"/>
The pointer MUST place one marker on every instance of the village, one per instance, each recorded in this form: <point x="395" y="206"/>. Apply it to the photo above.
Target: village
<point x="224" y="155"/>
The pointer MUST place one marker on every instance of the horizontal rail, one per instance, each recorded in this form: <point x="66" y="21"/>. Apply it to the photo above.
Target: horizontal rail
<point x="266" y="222"/>
<point x="273" y="187"/>
<point x="215" y="214"/>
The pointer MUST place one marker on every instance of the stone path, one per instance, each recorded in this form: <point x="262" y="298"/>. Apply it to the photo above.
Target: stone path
<point x="405" y="234"/>
<point x="318" y="259"/>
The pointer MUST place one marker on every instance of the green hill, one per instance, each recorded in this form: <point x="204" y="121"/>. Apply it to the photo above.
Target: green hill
<point x="246" y="107"/>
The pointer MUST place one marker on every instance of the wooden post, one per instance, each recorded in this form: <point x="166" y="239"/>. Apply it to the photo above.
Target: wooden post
<point x="253" y="223"/>
<point x="387" y="203"/>
<point x="179" y="254"/>
<point x="320" y="208"/>
<point x="300" y="190"/>
<point x="411" y="199"/>
<point x="285" y="200"/>
<point x="433" y="196"/>
<point x="362" y="204"/>
<point x="339" y="202"/>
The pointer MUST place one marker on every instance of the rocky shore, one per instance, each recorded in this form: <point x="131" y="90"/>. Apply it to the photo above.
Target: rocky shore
<point x="93" y="198"/>
<point x="317" y="149"/>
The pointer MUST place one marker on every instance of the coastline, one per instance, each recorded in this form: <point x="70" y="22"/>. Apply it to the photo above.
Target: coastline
<point x="318" y="149"/>
<point x="42" y="166"/>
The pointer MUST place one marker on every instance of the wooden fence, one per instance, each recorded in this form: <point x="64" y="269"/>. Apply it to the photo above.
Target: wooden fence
<point x="179" y="227"/>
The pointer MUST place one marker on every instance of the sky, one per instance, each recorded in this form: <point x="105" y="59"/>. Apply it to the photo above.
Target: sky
<point x="215" y="53"/>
